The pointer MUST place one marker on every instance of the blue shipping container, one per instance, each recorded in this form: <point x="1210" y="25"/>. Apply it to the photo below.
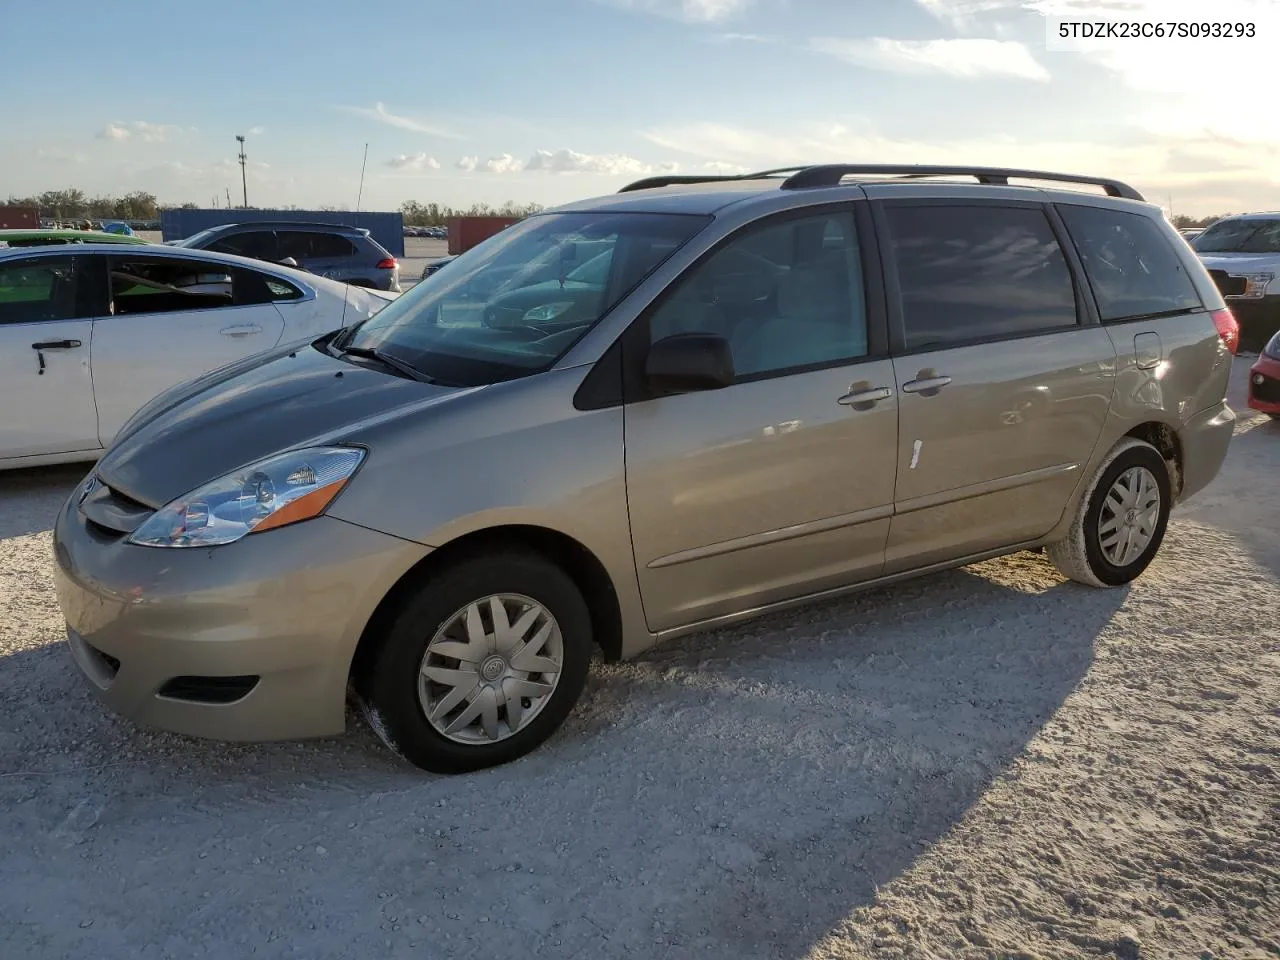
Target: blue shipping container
<point x="386" y="228"/>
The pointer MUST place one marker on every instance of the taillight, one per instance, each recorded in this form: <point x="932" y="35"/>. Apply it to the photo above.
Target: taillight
<point x="389" y="263"/>
<point x="1228" y="329"/>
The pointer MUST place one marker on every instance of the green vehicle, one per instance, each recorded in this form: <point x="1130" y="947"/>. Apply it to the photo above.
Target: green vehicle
<point x="44" y="238"/>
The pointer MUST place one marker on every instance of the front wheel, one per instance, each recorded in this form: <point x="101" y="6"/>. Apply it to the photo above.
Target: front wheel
<point x="481" y="665"/>
<point x="1120" y="522"/>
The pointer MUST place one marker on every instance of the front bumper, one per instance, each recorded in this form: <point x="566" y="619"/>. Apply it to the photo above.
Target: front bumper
<point x="286" y="607"/>
<point x="1204" y="440"/>
<point x="1264" y="385"/>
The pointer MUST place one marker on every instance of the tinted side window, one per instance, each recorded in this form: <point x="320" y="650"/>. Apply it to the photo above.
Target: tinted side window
<point x="1132" y="268"/>
<point x="32" y="291"/>
<point x="978" y="272"/>
<point x="302" y="245"/>
<point x="154" y="286"/>
<point x="786" y="294"/>
<point x="260" y="245"/>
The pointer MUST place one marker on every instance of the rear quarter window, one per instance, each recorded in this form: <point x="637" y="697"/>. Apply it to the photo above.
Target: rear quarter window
<point x="1133" y="269"/>
<point x="974" y="272"/>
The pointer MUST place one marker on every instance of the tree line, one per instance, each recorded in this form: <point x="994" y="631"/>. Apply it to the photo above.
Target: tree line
<point x="437" y="215"/>
<point x="1184" y="222"/>
<point x="73" y="204"/>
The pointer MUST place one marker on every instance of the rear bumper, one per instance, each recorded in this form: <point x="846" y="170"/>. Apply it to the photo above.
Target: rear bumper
<point x="280" y="612"/>
<point x="1264" y="385"/>
<point x="1204" y="440"/>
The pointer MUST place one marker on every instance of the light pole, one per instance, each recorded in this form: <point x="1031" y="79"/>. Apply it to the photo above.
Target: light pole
<point x="244" y="183"/>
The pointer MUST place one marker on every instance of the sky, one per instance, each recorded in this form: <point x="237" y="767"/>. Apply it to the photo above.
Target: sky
<point x="549" y="101"/>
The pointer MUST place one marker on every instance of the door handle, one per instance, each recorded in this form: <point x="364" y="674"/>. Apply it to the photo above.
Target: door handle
<point x="868" y="396"/>
<point x="240" y="331"/>
<point x="44" y="345"/>
<point x="926" y="385"/>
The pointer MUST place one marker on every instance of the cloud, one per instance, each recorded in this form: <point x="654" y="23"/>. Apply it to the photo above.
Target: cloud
<point x="414" y="161"/>
<point x="141" y="129"/>
<point x="1200" y="168"/>
<point x="505" y="163"/>
<point x="739" y="38"/>
<point x="257" y="131"/>
<point x="59" y="155"/>
<point x="379" y="113"/>
<point x="690" y="11"/>
<point x="721" y="168"/>
<point x="967" y="58"/>
<point x="963" y="14"/>
<point x="570" y="161"/>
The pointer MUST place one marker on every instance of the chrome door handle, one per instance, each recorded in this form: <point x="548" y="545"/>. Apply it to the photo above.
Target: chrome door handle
<point x="927" y="386"/>
<point x="858" y="397"/>
<point x="241" y="331"/>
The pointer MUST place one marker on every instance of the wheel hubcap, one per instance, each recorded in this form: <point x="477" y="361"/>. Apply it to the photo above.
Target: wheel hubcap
<point x="1130" y="513"/>
<point x="490" y="669"/>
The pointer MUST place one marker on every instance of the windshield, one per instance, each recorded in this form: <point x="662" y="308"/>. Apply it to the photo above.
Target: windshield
<point x="1239" y="236"/>
<point x="195" y="238"/>
<point x="514" y="304"/>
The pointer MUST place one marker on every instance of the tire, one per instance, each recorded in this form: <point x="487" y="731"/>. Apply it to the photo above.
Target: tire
<point x="1088" y="557"/>
<point x="400" y="684"/>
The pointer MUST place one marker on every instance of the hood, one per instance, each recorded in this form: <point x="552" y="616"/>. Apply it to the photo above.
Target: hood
<point x="1241" y="262"/>
<point x="291" y="397"/>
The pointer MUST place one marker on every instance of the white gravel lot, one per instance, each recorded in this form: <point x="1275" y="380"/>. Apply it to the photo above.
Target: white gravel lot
<point x="987" y="763"/>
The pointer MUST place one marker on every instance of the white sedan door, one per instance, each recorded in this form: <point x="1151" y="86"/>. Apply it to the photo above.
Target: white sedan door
<point x="46" y="392"/>
<point x="171" y="319"/>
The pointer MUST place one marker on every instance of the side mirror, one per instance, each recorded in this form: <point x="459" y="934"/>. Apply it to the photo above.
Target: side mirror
<point x="686" y="362"/>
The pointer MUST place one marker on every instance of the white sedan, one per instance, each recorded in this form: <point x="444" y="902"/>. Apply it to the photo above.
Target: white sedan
<point x="89" y="333"/>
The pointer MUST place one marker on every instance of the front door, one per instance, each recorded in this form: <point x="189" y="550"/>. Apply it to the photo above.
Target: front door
<point x="46" y="390"/>
<point x="781" y="484"/>
<point x="1003" y="382"/>
<point x="172" y="319"/>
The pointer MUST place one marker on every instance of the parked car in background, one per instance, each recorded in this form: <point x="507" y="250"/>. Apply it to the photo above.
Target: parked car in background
<point x="329" y="250"/>
<point x="434" y="265"/>
<point x="1242" y="254"/>
<point x="13" y="239"/>
<point x="787" y="387"/>
<point x="1190" y="233"/>
<point x="1264" y="380"/>
<point x="89" y="333"/>
<point x="118" y="227"/>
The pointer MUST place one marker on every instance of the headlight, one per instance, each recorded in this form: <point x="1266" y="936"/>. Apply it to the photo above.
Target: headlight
<point x="548" y="311"/>
<point x="1255" y="284"/>
<point x="271" y="493"/>
<point x="1272" y="349"/>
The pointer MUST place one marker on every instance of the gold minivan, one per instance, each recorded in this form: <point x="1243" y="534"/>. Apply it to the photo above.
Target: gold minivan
<point x="675" y="407"/>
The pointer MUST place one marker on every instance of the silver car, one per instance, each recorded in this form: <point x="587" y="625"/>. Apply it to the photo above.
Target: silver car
<point x="779" y="387"/>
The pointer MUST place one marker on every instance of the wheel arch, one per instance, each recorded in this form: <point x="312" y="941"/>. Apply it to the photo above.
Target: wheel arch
<point x="1165" y="439"/>
<point x="571" y="556"/>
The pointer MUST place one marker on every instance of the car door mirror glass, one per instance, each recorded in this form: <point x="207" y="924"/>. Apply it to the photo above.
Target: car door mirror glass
<point x="686" y="362"/>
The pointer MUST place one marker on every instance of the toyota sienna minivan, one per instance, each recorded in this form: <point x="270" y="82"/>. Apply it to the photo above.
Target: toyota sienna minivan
<point x="764" y="390"/>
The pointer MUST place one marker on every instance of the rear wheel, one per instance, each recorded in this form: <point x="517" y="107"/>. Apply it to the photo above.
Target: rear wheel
<point x="482" y="665"/>
<point x="1120" y="522"/>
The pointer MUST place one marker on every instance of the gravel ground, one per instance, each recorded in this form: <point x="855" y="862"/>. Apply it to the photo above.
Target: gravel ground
<point x="985" y="763"/>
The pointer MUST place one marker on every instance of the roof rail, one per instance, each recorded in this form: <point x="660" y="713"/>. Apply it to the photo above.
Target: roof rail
<point x="830" y="175"/>
<point x="670" y="180"/>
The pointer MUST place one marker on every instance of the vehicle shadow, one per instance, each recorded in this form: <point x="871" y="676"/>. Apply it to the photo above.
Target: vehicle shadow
<point x="825" y="751"/>
<point x="738" y="792"/>
<point x="31" y="498"/>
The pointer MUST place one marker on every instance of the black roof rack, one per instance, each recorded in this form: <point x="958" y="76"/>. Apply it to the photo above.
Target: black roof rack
<point x="830" y="175"/>
<point x="671" y="180"/>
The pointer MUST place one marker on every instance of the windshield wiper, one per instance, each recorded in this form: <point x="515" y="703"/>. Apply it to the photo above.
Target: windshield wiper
<point x="394" y="363"/>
